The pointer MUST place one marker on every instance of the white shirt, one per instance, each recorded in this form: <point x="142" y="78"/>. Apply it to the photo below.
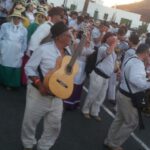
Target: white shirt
<point x="81" y="60"/>
<point x="136" y="76"/>
<point x="30" y="16"/>
<point x="86" y="51"/>
<point x="41" y="32"/>
<point x="13" y="44"/>
<point x="73" y="23"/>
<point x="129" y="53"/>
<point x="7" y="4"/>
<point x="45" y="56"/>
<point x="96" y="34"/>
<point x="108" y="63"/>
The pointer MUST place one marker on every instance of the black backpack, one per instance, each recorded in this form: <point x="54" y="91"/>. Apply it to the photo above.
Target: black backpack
<point x="91" y="62"/>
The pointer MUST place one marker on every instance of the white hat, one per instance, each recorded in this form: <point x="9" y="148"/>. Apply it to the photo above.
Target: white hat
<point x="19" y="7"/>
<point x="16" y="13"/>
<point x="40" y="10"/>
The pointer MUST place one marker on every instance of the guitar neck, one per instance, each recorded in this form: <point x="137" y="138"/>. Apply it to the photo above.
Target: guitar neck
<point x="78" y="51"/>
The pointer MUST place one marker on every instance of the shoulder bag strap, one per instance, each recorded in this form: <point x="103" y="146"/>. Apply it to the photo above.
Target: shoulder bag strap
<point x="125" y="74"/>
<point x="141" y="124"/>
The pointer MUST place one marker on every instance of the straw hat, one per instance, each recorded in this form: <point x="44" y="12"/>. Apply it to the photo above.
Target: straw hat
<point x="40" y="10"/>
<point x="46" y="7"/>
<point x="16" y="13"/>
<point x="23" y="2"/>
<point x="19" y="7"/>
<point x="31" y="4"/>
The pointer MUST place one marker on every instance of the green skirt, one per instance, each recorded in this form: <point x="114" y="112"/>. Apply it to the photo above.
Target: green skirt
<point x="10" y="76"/>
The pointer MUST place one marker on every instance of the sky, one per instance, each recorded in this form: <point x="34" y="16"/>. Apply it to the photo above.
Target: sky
<point x="110" y="3"/>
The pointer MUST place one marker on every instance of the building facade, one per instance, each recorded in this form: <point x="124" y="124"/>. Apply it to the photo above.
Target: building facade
<point x="103" y="13"/>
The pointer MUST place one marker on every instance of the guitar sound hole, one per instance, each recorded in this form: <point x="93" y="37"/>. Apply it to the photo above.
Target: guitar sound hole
<point x="62" y="83"/>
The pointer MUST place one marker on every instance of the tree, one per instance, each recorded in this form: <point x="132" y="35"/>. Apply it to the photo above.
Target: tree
<point x="65" y="3"/>
<point x="86" y="4"/>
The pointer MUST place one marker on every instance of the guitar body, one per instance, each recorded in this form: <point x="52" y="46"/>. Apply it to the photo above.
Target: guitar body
<point x="50" y="72"/>
<point x="60" y="82"/>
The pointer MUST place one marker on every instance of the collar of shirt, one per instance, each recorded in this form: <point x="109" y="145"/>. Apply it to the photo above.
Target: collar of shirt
<point x="49" y="21"/>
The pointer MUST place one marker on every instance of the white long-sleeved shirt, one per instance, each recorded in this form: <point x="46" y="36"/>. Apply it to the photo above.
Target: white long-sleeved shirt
<point x="30" y="16"/>
<point x="7" y="4"/>
<point x="13" y="44"/>
<point x="41" y="32"/>
<point x="96" y="34"/>
<point x="108" y="63"/>
<point x="45" y="57"/>
<point x="135" y="74"/>
<point x="129" y="53"/>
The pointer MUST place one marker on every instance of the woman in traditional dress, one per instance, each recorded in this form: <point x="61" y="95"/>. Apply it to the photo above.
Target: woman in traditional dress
<point x="20" y="6"/>
<point x="40" y="17"/>
<point x="13" y="43"/>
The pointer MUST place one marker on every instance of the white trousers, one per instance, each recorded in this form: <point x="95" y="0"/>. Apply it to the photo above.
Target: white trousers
<point x="96" y="94"/>
<point x="37" y="107"/>
<point x="125" y="122"/>
<point x="111" y="93"/>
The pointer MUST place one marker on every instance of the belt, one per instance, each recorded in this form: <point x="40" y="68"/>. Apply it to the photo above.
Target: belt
<point x="102" y="74"/>
<point x="125" y="93"/>
<point x="48" y="94"/>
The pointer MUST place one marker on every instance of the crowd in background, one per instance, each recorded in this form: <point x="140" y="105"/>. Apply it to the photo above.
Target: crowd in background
<point x="26" y="25"/>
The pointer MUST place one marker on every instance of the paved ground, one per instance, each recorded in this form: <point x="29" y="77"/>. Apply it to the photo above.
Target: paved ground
<point x="77" y="133"/>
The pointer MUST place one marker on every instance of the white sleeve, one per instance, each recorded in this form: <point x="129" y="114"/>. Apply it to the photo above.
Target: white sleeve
<point x="41" y="32"/>
<point x="95" y="34"/>
<point x="24" y="41"/>
<point x="102" y="52"/>
<point x="137" y="77"/>
<point x="33" y="63"/>
<point x="88" y="51"/>
<point x="2" y="31"/>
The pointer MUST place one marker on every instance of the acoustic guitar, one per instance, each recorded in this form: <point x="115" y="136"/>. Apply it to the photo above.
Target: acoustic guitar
<point x="60" y="80"/>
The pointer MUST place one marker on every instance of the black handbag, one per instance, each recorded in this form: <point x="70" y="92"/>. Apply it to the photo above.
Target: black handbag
<point x="138" y="99"/>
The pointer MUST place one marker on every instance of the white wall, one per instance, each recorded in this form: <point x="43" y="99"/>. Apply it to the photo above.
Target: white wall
<point x="128" y="15"/>
<point x="118" y="14"/>
<point x="102" y="10"/>
<point x="148" y="29"/>
<point x="56" y="2"/>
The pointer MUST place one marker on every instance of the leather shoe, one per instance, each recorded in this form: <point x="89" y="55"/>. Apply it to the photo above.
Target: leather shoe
<point x="112" y="148"/>
<point x="97" y="118"/>
<point x="87" y="116"/>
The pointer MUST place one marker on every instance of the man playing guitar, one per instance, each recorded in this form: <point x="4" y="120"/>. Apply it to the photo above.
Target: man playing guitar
<point x="39" y="102"/>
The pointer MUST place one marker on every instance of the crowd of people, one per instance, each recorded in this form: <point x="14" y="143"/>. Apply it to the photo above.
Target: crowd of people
<point x="34" y="34"/>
